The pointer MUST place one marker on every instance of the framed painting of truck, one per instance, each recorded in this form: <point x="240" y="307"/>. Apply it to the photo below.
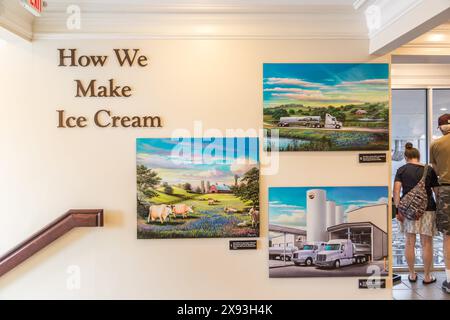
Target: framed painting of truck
<point x="197" y="188"/>
<point x="328" y="232"/>
<point x="326" y="106"/>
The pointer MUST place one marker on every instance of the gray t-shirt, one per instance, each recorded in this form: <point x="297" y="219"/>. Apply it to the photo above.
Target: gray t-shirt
<point x="440" y="158"/>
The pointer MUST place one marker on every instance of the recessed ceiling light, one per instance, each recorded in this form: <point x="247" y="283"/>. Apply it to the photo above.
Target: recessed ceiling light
<point x="436" y="37"/>
<point x="444" y="109"/>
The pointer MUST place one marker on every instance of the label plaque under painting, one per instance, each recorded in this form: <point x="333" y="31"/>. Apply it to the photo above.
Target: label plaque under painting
<point x="372" y="283"/>
<point x="372" y="158"/>
<point x="242" y="244"/>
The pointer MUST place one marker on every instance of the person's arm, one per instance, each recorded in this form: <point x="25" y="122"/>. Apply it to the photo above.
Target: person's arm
<point x="397" y="189"/>
<point x="432" y="180"/>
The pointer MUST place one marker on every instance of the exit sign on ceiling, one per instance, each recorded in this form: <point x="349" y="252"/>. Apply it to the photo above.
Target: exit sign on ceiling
<point x="34" y="6"/>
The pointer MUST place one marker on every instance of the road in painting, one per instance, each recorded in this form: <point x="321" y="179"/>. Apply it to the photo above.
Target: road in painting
<point x="326" y="106"/>
<point x="197" y="188"/>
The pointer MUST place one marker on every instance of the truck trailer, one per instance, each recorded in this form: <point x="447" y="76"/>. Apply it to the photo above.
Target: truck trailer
<point x="338" y="253"/>
<point x="282" y="252"/>
<point x="330" y="122"/>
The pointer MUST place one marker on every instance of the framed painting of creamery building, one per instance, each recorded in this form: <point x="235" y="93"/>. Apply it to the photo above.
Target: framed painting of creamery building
<point x="197" y="188"/>
<point x="326" y="106"/>
<point x="328" y="231"/>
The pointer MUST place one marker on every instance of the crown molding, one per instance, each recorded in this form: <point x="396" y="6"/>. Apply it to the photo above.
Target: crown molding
<point x="152" y="36"/>
<point x="199" y="6"/>
<point x="413" y="18"/>
<point x="202" y="26"/>
<point x="16" y="20"/>
<point x="358" y="4"/>
<point x="391" y="12"/>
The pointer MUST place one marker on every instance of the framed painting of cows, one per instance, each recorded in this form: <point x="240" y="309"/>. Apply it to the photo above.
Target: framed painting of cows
<point x="197" y="187"/>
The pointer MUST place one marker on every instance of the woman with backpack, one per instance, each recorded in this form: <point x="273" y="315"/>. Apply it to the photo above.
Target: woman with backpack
<point x="416" y="210"/>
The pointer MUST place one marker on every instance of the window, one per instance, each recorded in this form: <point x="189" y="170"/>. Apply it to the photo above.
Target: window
<point x="409" y="124"/>
<point x="409" y="109"/>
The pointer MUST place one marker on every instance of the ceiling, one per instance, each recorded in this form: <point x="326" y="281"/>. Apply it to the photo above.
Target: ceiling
<point x="431" y="47"/>
<point x="387" y="24"/>
<point x="436" y="38"/>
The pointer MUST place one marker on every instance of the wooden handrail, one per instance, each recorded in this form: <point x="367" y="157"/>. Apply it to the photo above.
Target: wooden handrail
<point x="71" y="219"/>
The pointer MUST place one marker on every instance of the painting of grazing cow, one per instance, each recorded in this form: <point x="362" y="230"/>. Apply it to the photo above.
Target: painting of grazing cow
<point x="181" y="210"/>
<point x="230" y="210"/>
<point x="255" y="216"/>
<point x="161" y="212"/>
<point x="204" y="193"/>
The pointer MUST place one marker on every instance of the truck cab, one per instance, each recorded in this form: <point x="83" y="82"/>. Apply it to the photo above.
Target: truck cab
<point x="331" y="122"/>
<point x="308" y="254"/>
<point x="337" y="253"/>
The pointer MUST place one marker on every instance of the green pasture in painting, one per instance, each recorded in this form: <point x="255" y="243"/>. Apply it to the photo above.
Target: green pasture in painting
<point x="197" y="188"/>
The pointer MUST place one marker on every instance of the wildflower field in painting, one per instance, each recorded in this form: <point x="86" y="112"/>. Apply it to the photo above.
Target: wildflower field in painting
<point x="209" y="192"/>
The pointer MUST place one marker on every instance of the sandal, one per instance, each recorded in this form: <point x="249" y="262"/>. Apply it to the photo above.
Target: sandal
<point x="433" y="280"/>
<point x="412" y="280"/>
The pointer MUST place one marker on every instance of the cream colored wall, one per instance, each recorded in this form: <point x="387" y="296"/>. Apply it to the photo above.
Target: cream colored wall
<point x="45" y="170"/>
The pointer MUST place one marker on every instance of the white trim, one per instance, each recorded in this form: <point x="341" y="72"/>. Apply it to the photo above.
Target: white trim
<point x="16" y="20"/>
<point x="204" y="7"/>
<point x="16" y="28"/>
<point x="357" y="4"/>
<point x="290" y="26"/>
<point x="395" y="18"/>
<point x="149" y="36"/>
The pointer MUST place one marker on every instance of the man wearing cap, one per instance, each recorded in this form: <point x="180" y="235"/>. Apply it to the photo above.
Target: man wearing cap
<point x="440" y="159"/>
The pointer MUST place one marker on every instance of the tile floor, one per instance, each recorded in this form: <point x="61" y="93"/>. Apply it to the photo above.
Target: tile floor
<point x="417" y="291"/>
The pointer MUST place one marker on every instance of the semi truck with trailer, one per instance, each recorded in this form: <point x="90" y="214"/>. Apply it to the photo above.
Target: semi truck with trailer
<point x="330" y="122"/>
<point x="308" y="254"/>
<point x="282" y="252"/>
<point x="338" y="253"/>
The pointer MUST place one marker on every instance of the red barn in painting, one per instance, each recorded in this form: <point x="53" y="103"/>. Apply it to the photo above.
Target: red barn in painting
<point x="219" y="188"/>
<point x="361" y="112"/>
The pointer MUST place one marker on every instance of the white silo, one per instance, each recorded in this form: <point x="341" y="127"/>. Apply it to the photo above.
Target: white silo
<point x="331" y="214"/>
<point x="339" y="215"/>
<point x="316" y="215"/>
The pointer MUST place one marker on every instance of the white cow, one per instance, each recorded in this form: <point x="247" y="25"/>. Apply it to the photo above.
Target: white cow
<point x="230" y="210"/>
<point x="181" y="209"/>
<point x="161" y="212"/>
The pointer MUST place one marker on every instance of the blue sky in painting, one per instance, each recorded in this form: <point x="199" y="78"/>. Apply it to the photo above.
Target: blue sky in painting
<point x="194" y="159"/>
<point x="287" y="205"/>
<point x="324" y="84"/>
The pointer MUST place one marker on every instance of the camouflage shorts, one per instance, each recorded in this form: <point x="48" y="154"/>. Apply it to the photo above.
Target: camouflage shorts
<point x="443" y="210"/>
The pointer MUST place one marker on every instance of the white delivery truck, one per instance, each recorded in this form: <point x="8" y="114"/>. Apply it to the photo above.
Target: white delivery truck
<point x="311" y="122"/>
<point x="338" y="253"/>
<point x="282" y="252"/>
<point x="308" y="254"/>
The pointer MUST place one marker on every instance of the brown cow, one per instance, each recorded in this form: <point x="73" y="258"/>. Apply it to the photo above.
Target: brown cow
<point x="181" y="209"/>
<point x="255" y="216"/>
